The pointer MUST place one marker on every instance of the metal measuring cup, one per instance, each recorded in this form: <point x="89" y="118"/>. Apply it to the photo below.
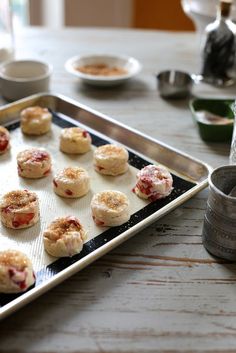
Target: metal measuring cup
<point x="219" y="228"/>
<point x="174" y="84"/>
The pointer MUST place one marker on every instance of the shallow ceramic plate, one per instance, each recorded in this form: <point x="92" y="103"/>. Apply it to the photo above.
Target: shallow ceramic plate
<point x="131" y="65"/>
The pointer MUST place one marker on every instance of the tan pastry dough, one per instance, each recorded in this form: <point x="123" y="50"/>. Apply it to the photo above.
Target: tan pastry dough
<point x="34" y="163"/>
<point x="110" y="208"/>
<point x="111" y="160"/>
<point x="153" y="182"/>
<point x="16" y="272"/>
<point x="71" y="182"/>
<point x="75" y="140"/>
<point x="64" y="237"/>
<point x="35" y="120"/>
<point x="19" y="209"/>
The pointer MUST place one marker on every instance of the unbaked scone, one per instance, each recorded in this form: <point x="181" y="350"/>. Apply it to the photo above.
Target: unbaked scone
<point x="111" y="160"/>
<point x="75" y="140"/>
<point x="19" y="209"/>
<point x="153" y="182"/>
<point x="71" y="182"/>
<point x="35" y="120"/>
<point x="4" y="140"/>
<point x="64" y="237"/>
<point x="16" y="272"/>
<point x="33" y="163"/>
<point x="110" y="208"/>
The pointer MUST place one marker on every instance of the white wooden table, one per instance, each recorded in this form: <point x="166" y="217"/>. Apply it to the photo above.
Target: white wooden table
<point x="160" y="291"/>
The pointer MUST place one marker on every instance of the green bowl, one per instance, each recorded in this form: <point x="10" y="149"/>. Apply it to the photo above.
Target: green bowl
<point x="220" y="107"/>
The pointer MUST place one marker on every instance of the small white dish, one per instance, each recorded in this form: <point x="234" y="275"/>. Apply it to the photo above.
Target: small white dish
<point x="21" y="78"/>
<point x="131" y="65"/>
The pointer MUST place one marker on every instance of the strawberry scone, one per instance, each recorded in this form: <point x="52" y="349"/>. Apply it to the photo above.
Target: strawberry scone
<point x="75" y="140"/>
<point x="35" y="120"/>
<point x="71" y="182"/>
<point x="110" y="208"/>
<point x="4" y="140"/>
<point x="16" y="272"/>
<point x="34" y="163"/>
<point x="64" y="237"/>
<point x="111" y="160"/>
<point x="153" y="182"/>
<point x="19" y="209"/>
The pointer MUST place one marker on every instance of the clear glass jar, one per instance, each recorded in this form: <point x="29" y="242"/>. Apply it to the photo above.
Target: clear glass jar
<point x="232" y="155"/>
<point x="219" y="48"/>
<point x="6" y="31"/>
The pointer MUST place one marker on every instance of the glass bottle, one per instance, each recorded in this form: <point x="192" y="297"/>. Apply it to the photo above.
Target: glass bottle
<point x="219" y="48"/>
<point x="6" y="31"/>
<point x="232" y="155"/>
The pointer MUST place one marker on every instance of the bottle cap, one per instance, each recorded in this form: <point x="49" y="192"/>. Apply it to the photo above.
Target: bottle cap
<point x="225" y="6"/>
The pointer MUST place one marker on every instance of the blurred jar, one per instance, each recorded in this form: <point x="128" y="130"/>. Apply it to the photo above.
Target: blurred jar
<point x="6" y="31"/>
<point x="232" y="155"/>
<point x="201" y="12"/>
<point x="219" y="48"/>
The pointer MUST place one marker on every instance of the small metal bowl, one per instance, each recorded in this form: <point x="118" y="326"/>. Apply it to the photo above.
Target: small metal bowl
<point x="174" y="84"/>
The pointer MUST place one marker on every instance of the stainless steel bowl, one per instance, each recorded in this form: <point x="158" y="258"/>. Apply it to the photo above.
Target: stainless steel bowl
<point x="174" y="84"/>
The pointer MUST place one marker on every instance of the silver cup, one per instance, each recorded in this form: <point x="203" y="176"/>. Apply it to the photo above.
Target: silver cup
<point x="174" y="84"/>
<point x="219" y="228"/>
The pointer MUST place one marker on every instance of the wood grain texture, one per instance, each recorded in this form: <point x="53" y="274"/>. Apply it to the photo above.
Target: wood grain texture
<point x="160" y="291"/>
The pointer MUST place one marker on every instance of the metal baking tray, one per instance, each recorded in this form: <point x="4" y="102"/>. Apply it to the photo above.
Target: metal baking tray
<point x="189" y="175"/>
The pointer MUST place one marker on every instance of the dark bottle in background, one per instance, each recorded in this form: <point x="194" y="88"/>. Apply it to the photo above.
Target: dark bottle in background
<point x="219" y="48"/>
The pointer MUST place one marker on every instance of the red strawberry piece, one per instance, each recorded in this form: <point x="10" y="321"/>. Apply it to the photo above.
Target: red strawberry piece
<point x="55" y="183"/>
<point x="39" y="156"/>
<point x="3" y="141"/>
<point x="85" y="134"/>
<point x="21" y="219"/>
<point x="75" y="221"/>
<point x="47" y="171"/>
<point x="68" y="192"/>
<point x="98" y="223"/>
<point x="7" y="209"/>
<point x="11" y="272"/>
<point x="22" y="285"/>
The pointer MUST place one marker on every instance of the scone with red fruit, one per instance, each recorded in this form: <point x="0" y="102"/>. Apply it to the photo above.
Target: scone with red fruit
<point x="33" y="163"/>
<point x="19" y="209"/>
<point x="35" y="120"/>
<point x="74" y="140"/>
<point x="4" y="140"/>
<point x="16" y="272"/>
<point x="71" y="182"/>
<point x="111" y="160"/>
<point x="153" y="182"/>
<point x="110" y="208"/>
<point x="64" y="237"/>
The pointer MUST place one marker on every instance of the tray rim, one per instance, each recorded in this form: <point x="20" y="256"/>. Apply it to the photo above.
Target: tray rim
<point x="108" y="118"/>
<point x="29" y="296"/>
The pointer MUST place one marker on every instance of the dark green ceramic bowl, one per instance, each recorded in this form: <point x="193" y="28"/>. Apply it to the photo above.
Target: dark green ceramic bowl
<point x="221" y="107"/>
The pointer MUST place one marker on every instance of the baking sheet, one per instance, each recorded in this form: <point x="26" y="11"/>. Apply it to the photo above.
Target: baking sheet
<point x="49" y="270"/>
<point x="30" y="240"/>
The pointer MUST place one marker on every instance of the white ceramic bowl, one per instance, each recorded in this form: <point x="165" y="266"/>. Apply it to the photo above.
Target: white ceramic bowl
<point x="21" y="78"/>
<point x="131" y="65"/>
